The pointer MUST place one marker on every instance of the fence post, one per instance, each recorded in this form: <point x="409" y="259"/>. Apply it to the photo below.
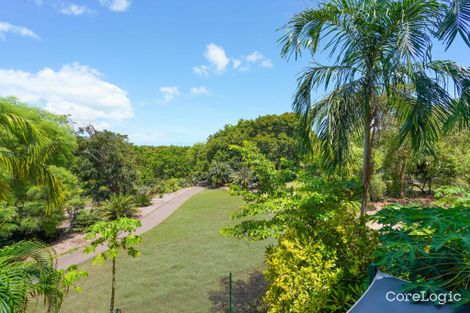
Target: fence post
<point x="230" y="291"/>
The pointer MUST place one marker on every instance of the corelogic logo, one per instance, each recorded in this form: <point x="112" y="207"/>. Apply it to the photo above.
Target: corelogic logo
<point x="441" y="298"/>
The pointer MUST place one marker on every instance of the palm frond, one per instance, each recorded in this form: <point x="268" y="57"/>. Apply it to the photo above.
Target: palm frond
<point x="424" y="112"/>
<point x="450" y="72"/>
<point x="305" y="29"/>
<point x="30" y="161"/>
<point x="333" y="120"/>
<point x="456" y="21"/>
<point x="27" y="272"/>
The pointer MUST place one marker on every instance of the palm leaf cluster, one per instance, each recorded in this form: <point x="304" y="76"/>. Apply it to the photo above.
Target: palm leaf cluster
<point x="27" y="273"/>
<point x="27" y="159"/>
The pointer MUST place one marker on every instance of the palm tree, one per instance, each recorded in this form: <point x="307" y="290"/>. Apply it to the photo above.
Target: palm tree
<point x="119" y="206"/>
<point x="219" y="173"/>
<point x="26" y="268"/>
<point x="243" y="177"/>
<point x="382" y="63"/>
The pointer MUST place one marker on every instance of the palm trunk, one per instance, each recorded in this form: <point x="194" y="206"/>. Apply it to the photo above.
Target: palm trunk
<point x="113" y="287"/>
<point x="367" y="163"/>
<point x="402" y="177"/>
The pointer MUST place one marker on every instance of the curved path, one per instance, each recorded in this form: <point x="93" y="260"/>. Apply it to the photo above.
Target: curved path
<point x="150" y="219"/>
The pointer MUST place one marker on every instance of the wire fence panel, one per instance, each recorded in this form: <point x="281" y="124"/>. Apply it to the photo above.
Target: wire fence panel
<point x="247" y="291"/>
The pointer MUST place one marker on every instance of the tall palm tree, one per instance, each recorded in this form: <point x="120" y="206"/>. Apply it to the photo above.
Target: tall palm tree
<point x="26" y="268"/>
<point x="382" y="63"/>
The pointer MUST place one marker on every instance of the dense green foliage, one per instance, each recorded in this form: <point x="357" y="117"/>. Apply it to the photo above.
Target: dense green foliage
<point x="323" y="250"/>
<point x="164" y="162"/>
<point x="274" y="135"/>
<point x="215" y="161"/>
<point x="430" y="246"/>
<point x="105" y="163"/>
<point x="27" y="271"/>
<point x="33" y="149"/>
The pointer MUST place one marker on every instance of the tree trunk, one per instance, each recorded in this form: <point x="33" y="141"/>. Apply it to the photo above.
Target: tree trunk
<point x="402" y="178"/>
<point x="113" y="287"/>
<point x="367" y="162"/>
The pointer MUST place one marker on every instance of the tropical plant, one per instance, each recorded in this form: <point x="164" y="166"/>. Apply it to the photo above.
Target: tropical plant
<point x="85" y="218"/>
<point x="143" y="196"/>
<point x="451" y="196"/>
<point x="429" y="246"/>
<point x="27" y="273"/>
<point x="219" y="173"/>
<point x="118" y="206"/>
<point x="26" y="268"/>
<point x="116" y="235"/>
<point x="382" y="64"/>
<point x="167" y="186"/>
<point x="27" y="158"/>
<point x="243" y="177"/>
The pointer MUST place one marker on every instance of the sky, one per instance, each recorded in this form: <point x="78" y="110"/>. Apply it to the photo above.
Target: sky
<point x="161" y="71"/>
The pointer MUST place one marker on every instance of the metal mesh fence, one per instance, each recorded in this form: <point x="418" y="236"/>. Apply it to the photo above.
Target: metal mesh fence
<point x="243" y="294"/>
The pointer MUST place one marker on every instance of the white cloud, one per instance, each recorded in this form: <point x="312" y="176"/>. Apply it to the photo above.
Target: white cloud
<point x="199" y="91"/>
<point x="259" y="59"/>
<point x="236" y="63"/>
<point x="218" y="61"/>
<point x="76" y="90"/>
<point x="116" y="5"/>
<point x="169" y="93"/>
<point x="6" y="27"/>
<point x="202" y="70"/>
<point x="216" y="56"/>
<point x="254" y="56"/>
<point x="74" y="9"/>
<point x="267" y="63"/>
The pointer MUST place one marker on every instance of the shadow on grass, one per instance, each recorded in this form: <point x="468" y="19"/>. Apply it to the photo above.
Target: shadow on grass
<point x="247" y="295"/>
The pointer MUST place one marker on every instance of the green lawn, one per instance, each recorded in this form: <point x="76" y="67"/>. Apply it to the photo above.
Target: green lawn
<point x="182" y="262"/>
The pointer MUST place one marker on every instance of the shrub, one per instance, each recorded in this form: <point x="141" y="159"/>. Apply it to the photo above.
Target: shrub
<point x="320" y="264"/>
<point x="449" y="196"/>
<point x="167" y="186"/>
<point x="143" y="196"/>
<point x="324" y="248"/>
<point x="85" y="218"/>
<point x="118" y="206"/>
<point x="219" y="173"/>
<point x="377" y="187"/>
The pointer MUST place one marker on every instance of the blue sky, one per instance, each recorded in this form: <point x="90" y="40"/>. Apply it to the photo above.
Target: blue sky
<point x="161" y="71"/>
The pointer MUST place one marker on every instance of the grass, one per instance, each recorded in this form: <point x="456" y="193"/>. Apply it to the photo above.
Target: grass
<point x="182" y="262"/>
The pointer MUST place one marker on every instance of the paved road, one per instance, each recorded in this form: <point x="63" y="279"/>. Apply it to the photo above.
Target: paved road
<point x="149" y="221"/>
